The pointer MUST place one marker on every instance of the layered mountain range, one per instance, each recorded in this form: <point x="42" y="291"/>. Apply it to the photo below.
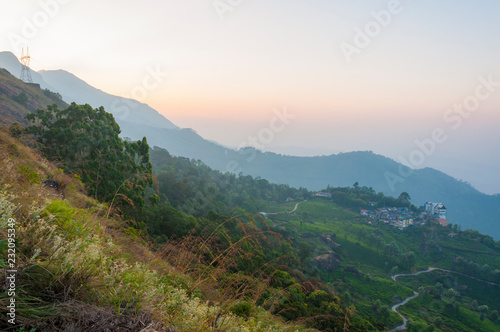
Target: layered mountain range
<point x="466" y="206"/>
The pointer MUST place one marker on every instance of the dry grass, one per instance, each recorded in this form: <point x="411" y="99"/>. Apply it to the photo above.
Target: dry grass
<point x="81" y="271"/>
<point x="81" y="317"/>
<point x="23" y="169"/>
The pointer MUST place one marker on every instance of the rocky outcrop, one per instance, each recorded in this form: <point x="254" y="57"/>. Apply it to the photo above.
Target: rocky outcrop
<point x="329" y="241"/>
<point x="354" y="270"/>
<point x="328" y="262"/>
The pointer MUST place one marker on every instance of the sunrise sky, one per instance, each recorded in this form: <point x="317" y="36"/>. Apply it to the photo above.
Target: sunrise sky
<point x="227" y="67"/>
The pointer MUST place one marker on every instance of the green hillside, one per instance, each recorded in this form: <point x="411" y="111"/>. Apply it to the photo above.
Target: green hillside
<point x="359" y="265"/>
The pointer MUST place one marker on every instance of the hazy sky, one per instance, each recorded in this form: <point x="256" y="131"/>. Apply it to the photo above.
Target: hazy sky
<point x="355" y="75"/>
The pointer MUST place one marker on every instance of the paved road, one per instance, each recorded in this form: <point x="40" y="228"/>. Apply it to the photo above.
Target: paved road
<point x="296" y="206"/>
<point x="395" y="307"/>
<point x="416" y="273"/>
<point x="274" y="213"/>
<point x="415" y="294"/>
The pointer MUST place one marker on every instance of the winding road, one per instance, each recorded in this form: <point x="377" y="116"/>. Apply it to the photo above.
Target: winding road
<point x="296" y="206"/>
<point x="395" y="309"/>
<point x="417" y="273"/>
<point x="415" y="294"/>
<point x="408" y="299"/>
<point x="274" y="213"/>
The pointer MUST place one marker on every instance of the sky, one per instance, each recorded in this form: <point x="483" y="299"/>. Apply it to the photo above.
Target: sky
<point x="415" y="81"/>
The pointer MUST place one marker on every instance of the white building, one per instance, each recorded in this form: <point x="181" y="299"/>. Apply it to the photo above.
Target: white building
<point x="437" y="210"/>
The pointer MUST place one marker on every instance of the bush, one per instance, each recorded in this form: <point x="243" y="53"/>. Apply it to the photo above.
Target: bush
<point x="21" y="98"/>
<point x="242" y="309"/>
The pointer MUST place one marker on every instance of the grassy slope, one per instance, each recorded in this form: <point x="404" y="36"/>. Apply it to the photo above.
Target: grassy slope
<point x="79" y="268"/>
<point x="374" y="281"/>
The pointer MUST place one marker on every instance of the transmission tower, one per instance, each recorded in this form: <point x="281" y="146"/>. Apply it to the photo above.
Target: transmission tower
<point x="26" y="71"/>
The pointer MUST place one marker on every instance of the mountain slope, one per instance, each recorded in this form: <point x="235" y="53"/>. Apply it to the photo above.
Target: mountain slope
<point x="466" y="205"/>
<point x="79" y="269"/>
<point x="18" y="99"/>
<point x="127" y="110"/>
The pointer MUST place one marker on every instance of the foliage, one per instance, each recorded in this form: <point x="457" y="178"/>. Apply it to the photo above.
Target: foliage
<point x="360" y="197"/>
<point x="21" y="98"/>
<point x="85" y="141"/>
<point x="164" y="221"/>
<point x="53" y="95"/>
<point x="373" y="250"/>
<point x="29" y="173"/>
<point x="242" y="309"/>
<point x="194" y="188"/>
<point x="404" y="196"/>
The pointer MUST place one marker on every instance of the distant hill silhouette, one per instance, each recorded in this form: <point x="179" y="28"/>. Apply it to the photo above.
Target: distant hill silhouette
<point x="125" y="110"/>
<point x="466" y="205"/>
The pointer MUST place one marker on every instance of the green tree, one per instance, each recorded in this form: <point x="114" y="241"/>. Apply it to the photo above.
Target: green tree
<point x="377" y="304"/>
<point x="385" y="313"/>
<point x="51" y="94"/>
<point x="21" y="98"/>
<point x="405" y="197"/>
<point x="493" y="316"/>
<point x="85" y="141"/>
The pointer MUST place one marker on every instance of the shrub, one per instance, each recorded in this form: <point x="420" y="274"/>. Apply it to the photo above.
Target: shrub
<point x="28" y="173"/>
<point x="242" y="309"/>
<point x="21" y="98"/>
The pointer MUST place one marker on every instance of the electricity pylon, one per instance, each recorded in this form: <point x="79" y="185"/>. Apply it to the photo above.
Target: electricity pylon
<point x="26" y="71"/>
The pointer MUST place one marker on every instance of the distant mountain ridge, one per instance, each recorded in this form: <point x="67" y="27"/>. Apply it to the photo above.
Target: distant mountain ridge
<point x="466" y="205"/>
<point x="124" y="109"/>
<point x="73" y="89"/>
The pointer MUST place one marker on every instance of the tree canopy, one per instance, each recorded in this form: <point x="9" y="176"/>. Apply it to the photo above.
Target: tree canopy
<point x="85" y="141"/>
<point x="405" y="197"/>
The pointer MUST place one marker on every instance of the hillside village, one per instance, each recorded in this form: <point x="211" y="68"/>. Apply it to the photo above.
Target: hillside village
<point x="402" y="217"/>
